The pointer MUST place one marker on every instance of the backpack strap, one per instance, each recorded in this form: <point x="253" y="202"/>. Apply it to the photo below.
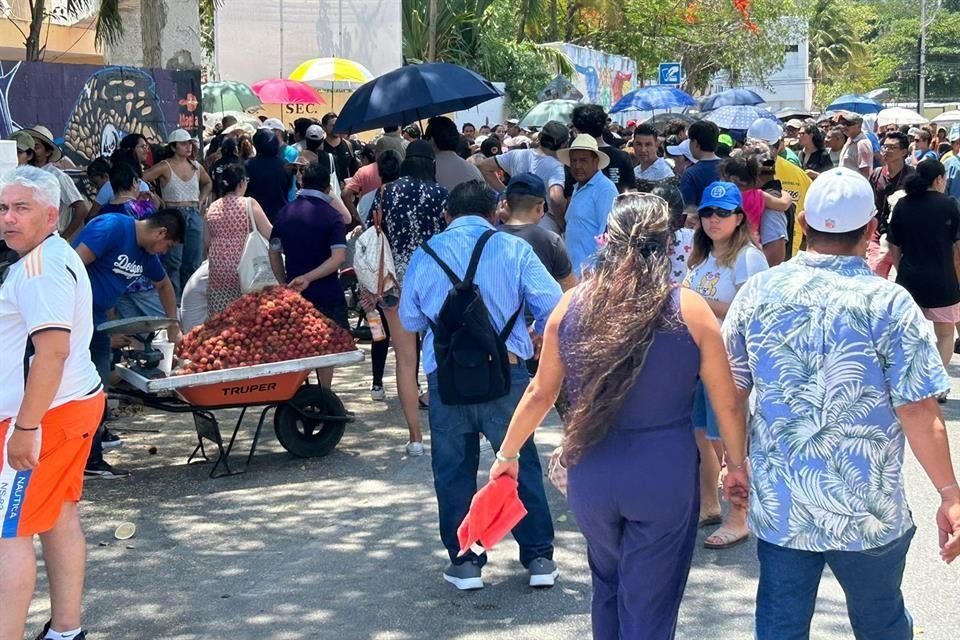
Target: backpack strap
<point x="443" y="265"/>
<point x="508" y="328"/>
<point x="475" y="258"/>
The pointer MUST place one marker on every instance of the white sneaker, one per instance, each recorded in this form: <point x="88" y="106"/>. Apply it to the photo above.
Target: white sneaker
<point x="414" y="449"/>
<point x="377" y="393"/>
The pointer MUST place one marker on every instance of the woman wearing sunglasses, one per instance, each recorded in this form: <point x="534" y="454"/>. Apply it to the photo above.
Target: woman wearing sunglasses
<point x="722" y="259"/>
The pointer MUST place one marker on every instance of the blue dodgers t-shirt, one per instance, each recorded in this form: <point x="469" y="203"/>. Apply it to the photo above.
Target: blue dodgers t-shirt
<point x="697" y="178"/>
<point x="120" y="260"/>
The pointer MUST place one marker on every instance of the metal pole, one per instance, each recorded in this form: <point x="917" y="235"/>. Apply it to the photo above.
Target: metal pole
<point x="281" y="39"/>
<point x="922" y="81"/>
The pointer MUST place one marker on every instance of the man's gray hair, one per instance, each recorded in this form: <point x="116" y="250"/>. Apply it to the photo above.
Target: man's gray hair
<point x="44" y="184"/>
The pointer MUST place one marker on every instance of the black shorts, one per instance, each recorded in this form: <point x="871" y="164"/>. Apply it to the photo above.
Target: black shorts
<point x="336" y="313"/>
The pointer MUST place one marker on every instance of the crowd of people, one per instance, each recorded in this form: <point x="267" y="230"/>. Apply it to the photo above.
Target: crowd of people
<point x="665" y="287"/>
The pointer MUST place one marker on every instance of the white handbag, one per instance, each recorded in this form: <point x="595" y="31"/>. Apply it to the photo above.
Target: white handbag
<point x="254" y="268"/>
<point x="373" y="259"/>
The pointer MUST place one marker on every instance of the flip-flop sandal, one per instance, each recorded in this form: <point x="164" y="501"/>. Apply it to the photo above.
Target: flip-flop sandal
<point x="710" y="521"/>
<point x="728" y="538"/>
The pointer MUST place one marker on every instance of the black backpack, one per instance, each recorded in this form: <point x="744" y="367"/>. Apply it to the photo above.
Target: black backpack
<point x="472" y="361"/>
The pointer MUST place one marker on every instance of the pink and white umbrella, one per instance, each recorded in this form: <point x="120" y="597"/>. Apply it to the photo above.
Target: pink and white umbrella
<point x="284" y="91"/>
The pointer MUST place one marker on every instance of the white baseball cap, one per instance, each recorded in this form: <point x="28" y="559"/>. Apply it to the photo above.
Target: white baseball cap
<point x="839" y="200"/>
<point x="682" y="149"/>
<point x="273" y="123"/>
<point x="766" y="130"/>
<point x="179" y="135"/>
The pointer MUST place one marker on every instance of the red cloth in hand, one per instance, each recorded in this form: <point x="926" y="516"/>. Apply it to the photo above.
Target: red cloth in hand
<point x="494" y="511"/>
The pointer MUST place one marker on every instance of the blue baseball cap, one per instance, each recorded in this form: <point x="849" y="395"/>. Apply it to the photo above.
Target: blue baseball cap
<point x="527" y="184"/>
<point x="721" y="195"/>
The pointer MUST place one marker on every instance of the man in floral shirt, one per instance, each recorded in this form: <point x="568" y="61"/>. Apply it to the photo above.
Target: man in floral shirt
<point x="845" y="368"/>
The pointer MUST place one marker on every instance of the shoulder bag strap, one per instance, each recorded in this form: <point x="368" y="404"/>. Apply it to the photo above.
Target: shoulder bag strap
<point x="475" y="258"/>
<point x="377" y="224"/>
<point x="253" y="225"/>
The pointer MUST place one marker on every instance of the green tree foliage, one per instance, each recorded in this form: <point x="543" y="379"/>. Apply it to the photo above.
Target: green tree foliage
<point x="487" y="37"/>
<point x="108" y="23"/>
<point x="859" y="45"/>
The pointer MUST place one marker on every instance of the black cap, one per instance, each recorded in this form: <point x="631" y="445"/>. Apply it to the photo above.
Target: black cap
<point x="490" y="147"/>
<point x="554" y="135"/>
<point x="527" y="184"/>
<point x="420" y="149"/>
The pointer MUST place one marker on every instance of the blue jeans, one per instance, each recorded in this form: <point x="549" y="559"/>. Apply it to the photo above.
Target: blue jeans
<point x="871" y="579"/>
<point x="140" y="303"/>
<point x="183" y="259"/>
<point x="102" y="356"/>
<point x="703" y="415"/>
<point x="455" y="452"/>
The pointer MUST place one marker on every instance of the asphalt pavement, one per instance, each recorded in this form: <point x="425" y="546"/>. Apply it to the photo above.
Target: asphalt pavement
<point x="346" y="547"/>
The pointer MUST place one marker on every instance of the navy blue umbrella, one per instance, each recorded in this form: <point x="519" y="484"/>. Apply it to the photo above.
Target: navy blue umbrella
<point x="412" y="93"/>
<point x="653" y="97"/>
<point x="731" y="98"/>
<point x="856" y="103"/>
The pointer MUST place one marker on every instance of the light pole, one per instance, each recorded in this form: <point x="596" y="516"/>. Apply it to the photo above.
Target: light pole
<point x="921" y="67"/>
<point x="922" y="80"/>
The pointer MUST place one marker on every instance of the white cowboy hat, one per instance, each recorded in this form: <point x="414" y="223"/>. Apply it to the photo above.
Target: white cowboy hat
<point x="584" y="142"/>
<point x="41" y="133"/>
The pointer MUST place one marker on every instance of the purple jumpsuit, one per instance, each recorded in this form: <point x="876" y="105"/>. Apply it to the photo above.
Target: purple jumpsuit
<point x="636" y="494"/>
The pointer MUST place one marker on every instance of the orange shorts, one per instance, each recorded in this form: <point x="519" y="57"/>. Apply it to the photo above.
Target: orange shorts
<point x="30" y="501"/>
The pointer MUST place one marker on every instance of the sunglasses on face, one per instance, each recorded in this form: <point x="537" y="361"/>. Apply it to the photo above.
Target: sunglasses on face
<point x="709" y="212"/>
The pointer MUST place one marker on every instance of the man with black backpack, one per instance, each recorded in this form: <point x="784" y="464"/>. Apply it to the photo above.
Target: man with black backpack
<point x="468" y="287"/>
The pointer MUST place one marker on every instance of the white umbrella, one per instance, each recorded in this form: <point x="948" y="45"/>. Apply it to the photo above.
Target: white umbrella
<point x="899" y="116"/>
<point x="947" y="117"/>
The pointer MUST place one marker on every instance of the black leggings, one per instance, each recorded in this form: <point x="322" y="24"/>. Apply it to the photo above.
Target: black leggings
<point x="378" y="352"/>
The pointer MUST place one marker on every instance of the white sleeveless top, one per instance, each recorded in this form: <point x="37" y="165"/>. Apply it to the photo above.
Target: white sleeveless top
<point x="177" y="189"/>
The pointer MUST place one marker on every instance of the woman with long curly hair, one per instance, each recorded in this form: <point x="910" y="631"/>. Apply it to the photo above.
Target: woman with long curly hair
<point x="628" y="347"/>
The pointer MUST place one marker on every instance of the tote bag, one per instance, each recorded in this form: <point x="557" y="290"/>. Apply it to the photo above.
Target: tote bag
<point x="254" y="268"/>
<point x="372" y="257"/>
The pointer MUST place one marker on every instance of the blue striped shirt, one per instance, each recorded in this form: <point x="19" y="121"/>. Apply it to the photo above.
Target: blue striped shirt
<point x="509" y="274"/>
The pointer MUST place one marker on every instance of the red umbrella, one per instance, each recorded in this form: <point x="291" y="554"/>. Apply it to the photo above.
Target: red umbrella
<point x="283" y="91"/>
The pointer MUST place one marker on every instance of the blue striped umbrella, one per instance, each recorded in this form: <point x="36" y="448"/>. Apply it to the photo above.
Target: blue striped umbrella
<point x="738" y="116"/>
<point x="653" y="97"/>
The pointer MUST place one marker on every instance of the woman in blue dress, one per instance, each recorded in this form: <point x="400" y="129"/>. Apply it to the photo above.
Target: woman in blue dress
<point x="629" y="346"/>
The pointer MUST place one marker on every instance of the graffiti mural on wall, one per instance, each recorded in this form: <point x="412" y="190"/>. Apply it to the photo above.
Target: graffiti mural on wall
<point x="601" y="77"/>
<point x="90" y="108"/>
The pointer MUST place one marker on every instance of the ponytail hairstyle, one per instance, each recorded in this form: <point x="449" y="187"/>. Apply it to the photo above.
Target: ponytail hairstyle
<point x="619" y="306"/>
<point x="927" y="173"/>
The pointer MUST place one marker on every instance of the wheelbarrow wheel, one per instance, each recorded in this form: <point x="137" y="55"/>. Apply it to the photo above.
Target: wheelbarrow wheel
<point x="311" y="423"/>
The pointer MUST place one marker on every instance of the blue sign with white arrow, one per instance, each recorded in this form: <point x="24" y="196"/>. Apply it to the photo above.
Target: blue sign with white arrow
<point x="670" y="73"/>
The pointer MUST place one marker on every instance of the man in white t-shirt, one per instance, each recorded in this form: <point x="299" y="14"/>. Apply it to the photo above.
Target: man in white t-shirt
<point x="73" y="208"/>
<point x="541" y="162"/>
<point x="649" y="167"/>
<point x="51" y="402"/>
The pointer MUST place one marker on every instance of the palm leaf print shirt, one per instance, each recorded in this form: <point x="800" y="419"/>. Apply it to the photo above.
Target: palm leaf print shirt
<point x="831" y="350"/>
